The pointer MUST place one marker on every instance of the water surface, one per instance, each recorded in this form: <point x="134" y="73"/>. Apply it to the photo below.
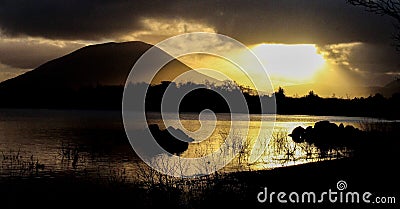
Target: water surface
<point x="93" y="141"/>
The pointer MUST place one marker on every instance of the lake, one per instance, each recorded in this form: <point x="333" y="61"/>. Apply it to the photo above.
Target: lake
<point x="49" y="142"/>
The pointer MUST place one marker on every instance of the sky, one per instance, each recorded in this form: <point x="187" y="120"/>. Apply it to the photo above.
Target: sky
<point x="355" y="45"/>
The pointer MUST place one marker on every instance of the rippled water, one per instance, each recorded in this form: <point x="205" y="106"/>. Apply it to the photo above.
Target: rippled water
<point x="54" y="141"/>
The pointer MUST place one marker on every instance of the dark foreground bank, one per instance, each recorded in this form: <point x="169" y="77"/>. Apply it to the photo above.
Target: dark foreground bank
<point x="228" y="190"/>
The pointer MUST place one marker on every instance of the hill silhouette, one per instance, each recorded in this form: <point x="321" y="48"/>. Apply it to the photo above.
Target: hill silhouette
<point x="391" y="88"/>
<point x="102" y="64"/>
<point x="100" y="70"/>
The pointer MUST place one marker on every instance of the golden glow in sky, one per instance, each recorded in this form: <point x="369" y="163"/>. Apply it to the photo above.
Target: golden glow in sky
<point x="296" y="63"/>
<point x="286" y="64"/>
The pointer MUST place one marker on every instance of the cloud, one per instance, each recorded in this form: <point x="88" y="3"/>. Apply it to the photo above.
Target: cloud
<point x="7" y="72"/>
<point x="393" y="73"/>
<point x="364" y="62"/>
<point x="284" y="21"/>
<point x="157" y="29"/>
<point x="19" y="55"/>
<point x="339" y="54"/>
<point x="89" y="20"/>
<point x="28" y="52"/>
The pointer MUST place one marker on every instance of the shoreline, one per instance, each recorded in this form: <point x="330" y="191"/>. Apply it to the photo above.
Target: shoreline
<point x="119" y="112"/>
<point x="239" y="188"/>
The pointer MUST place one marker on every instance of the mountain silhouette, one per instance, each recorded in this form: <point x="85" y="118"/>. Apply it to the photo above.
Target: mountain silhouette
<point x="81" y="74"/>
<point x="391" y="88"/>
<point x="102" y="64"/>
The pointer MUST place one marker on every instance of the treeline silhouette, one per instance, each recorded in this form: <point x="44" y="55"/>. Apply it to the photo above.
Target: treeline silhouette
<point x="312" y="104"/>
<point x="204" y="97"/>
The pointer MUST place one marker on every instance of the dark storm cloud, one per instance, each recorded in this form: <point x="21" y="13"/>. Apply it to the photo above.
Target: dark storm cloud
<point x="375" y="58"/>
<point x="285" y="21"/>
<point x="69" y="19"/>
<point x="306" y="21"/>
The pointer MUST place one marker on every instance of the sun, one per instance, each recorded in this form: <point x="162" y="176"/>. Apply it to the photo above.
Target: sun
<point x="286" y="65"/>
<point x="291" y="62"/>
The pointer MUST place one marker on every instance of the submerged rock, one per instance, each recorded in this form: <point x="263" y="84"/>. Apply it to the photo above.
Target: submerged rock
<point x="326" y="135"/>
<point x="298" y="134"/>
<point x="168" y="141"/>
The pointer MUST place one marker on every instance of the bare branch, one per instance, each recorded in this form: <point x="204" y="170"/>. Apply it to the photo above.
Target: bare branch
<point x="380" y="7"/>
<point x="390" y="8"/>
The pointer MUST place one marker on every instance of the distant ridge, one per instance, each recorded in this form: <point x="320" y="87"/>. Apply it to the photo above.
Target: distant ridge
<point x="391" y="88"/>
<point x="56" y="82"/>
<point x="101" y="64"/>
